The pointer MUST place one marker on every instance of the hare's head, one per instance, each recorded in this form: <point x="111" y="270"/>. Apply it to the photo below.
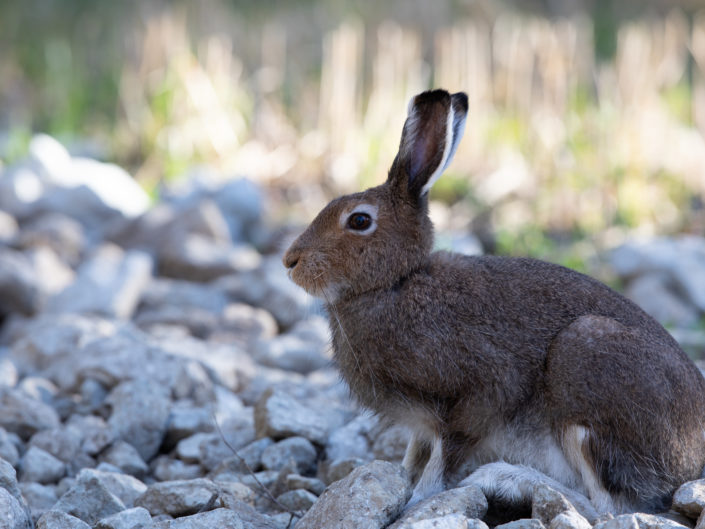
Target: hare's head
<point x="372" y="239"/>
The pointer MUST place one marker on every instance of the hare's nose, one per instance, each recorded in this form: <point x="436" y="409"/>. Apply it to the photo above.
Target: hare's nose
<point x="290" y="260"/>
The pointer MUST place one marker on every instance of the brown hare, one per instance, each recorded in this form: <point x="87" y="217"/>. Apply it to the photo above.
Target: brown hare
<point x="520" y="369"/>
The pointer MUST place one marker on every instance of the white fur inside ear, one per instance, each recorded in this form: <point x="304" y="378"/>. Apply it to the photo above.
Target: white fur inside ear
<point x="368" y="209"/>
<point x="447" y="152"/>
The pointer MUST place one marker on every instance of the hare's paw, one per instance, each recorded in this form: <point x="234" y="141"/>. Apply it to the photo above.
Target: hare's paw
<point x="503" y="481"/>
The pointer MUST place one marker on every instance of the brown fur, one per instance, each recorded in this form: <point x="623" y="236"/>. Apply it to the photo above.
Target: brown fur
<point x="470" y="345"/>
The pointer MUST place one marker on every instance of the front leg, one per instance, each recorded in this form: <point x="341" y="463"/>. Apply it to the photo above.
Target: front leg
<point x="417" y="453"/>
<point x="432" y="480"/>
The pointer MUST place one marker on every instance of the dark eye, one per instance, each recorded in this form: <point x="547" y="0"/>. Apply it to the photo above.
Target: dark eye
<point x="359" y="221"/>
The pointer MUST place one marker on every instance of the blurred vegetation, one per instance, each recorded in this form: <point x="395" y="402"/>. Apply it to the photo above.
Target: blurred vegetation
<point x="586" y="118"/>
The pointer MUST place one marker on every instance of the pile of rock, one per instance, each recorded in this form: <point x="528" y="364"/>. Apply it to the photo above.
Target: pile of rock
<point x="159" y="370"/>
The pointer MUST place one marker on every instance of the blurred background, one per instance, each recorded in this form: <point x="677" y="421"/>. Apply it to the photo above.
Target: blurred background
<point x="586" y="125"/>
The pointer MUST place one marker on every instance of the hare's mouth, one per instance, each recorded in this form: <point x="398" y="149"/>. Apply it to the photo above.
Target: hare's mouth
<point x="314" y="282"/>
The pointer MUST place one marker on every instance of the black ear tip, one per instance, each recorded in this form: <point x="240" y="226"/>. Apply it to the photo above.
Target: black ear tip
<point x="460" y="102"/>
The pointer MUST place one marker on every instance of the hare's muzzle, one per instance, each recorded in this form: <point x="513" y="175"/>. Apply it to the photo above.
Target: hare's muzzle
<point x="290" y="259"/>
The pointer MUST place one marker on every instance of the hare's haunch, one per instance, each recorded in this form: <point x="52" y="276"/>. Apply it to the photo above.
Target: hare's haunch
<point x="519" y="369"/>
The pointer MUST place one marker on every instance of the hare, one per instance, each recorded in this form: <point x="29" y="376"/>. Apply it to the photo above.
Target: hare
<point x="518" y="368"/>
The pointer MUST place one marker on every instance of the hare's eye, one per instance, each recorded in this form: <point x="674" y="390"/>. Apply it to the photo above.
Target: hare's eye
<point x="359" y="221"/>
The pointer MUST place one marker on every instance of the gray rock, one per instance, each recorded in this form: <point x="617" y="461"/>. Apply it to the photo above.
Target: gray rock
<point x="14" y="516"/>
<point x="8" y="227"/>
<point x="298" y="500"/>
<point x="391" y="443"/>
<point x="126" y="488"/>
<point x="251" y="518"/>
<point x="199" y="258"/>
<point x="8" y="480"/>
<point x="370" y="497"/>
<point x="524" y="523"/>
<point x="248" y="458"/>
<point x="179" y="498"/>
<point x="39" y="388"/>
<point x="9" y="376"/>
<point x="189" y="449"/>
<point x="89" y="499"/>
<point x="653" y="293"/>
<point x="242" y="203"/>
<point x="468" y="501"/>
<point x="173" y="292"/>
<point x="63" y="443"/>
<point x="184" y="421"/>
<point x="449" y="521"/>
<point x="303" y="349"/>
<point x="110" y="283"/>
<point x="340" y="468"/>
<point x="164" y="468"/>
<point x="19" y="290"/>
<point x="234" y="494"/>
<point x="221" y="518"/>
<point x="351" y="440"/>
<point x="270" y="288"/>
<point x="39" y="498"/>
<point x="244" y="325"/>
<point x="23" y="415"/>
<point x="639" y="521"/>
<point x="547" y="503"/>
<point x="125" y="457"/>
<point x="60" y="233"/>
<point x="296" y="481"/>
<point x="8" y="449"/>
<point x="216" y="449"/>
<point x="569" y="520"/>
<point x="51" y="273"/>
<point x="60" y="520"/>
<point x="40" y="466"/>
<point x="279" y="415"/>
<point x="199" y="322"/>
<point x="127" y="519"/>
<point x="95" y="433"/>
<point x="140" y="412"/>
<point x="689" y="499"/>
<point x="265" y="478"/>
<point x="298" y="450"/>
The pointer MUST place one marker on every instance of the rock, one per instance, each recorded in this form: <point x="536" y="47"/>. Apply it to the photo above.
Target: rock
<point x="60" y="233"/>
<point x="122" y="486"/>
<point x="449" y="521"/>
<point x="198" y="258"/>
<point x="199" y="323"/>
<point x="524" y="523"/>
<point x="51" y="273"/>
<point x="569" y="520"/>
<point x="127" y="519"/>
<point x="265" y="478"/>
<point x="179" y="498"/>
<point x="298" y="450"/>
<point x="221" y="518"/>
<point x="278" y="415"/>
<point x="639" y="521"/>
<point x="40" y="466"/>
<point x="303" y="349"/>
<point x="14" y="516"/>
<point x="298" y="500"/>
<point x="468" y="501"/>
<point x="547" y="503"/>
<point x="689" y="499"/>
<point x="9" y="376"/>
<point x="269" y="288"/>
<point x="125" y="457"/>
<point x="8" y="449"/>
<point x="165" y="468"/>
<point x="39" y="388"/>
<point x="370" y="497"/>
<point x="391" y="443"/>
<point x="39" y="498"/>
<point x="340" y="468"/>
<point x="162" y="292"/>
<point x="234" y="494"/>
<point x="248" y="458"/>
<point x="653" y="293"/>
<point x="60" y="520"/>
<point x="184" y="421"/>
<point x="110" y="283"/>
<point x="95" y="433"/>
<point x="242" y="204"/>
<point x="189" y="449"/>
<point x="63" y="443"/>
<point x="19" y="290"/>
<point x="8" y="228"/>
<point x="140" y="412"/>
<point x="296" y="482"/>
<point x="23" y="415"/>
<point x="244" y="325"/>
<point x="350" y="440"/>
<point x="89" y="499"/>
<point x="8" y="480"/>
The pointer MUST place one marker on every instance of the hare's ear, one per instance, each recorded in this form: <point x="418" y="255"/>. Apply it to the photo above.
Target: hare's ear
<point x="432" y="131"/>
